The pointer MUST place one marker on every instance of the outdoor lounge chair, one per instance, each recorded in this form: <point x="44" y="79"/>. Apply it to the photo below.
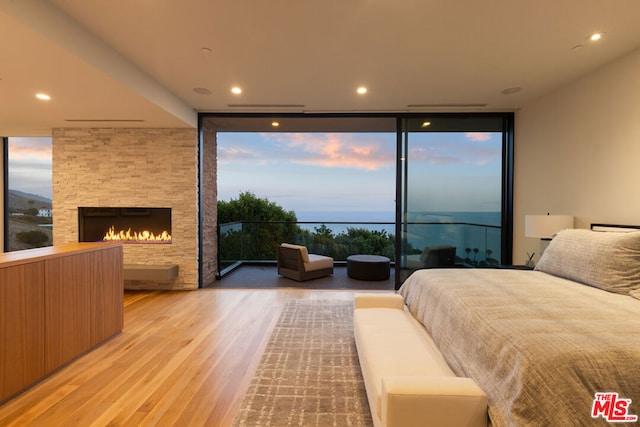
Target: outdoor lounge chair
<point x="295" y="262"/>
<point x="436" y="256"/>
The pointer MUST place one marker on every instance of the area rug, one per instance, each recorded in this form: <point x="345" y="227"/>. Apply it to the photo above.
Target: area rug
<point x="309" y="374"/>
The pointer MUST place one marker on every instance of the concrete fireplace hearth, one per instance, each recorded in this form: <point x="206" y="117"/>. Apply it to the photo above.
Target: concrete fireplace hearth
<point x="130" y="170"/>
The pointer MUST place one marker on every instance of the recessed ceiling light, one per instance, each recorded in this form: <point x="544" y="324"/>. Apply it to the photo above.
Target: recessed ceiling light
<point x="236" y="90"/>
<point x="361" y="90"/>
<point x="202" y="90"/>
<point x="595" y="37"/>
<point x="511" y="90"/>
<point x="275" y="124"/>
<point x="43" y="96"/>
<point x="425" y="124"/>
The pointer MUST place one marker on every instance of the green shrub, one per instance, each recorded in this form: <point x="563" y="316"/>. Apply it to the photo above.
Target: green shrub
<point x="33" y="238"/>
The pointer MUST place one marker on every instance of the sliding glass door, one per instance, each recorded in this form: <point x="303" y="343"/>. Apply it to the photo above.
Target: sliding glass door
<point x="454" y="190"/>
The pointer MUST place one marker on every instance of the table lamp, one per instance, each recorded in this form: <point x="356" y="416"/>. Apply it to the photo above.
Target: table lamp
<point x="546" y="226"/>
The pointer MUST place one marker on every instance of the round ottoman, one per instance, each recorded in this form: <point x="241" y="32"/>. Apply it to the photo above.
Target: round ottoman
<point x="368" y="267"/>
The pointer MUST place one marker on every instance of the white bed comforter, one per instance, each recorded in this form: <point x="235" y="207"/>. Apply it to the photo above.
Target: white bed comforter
<point x="539" y="346"/>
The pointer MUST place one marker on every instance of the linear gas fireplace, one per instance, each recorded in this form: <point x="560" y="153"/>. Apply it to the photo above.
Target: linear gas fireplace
<point x="127" y="225"/>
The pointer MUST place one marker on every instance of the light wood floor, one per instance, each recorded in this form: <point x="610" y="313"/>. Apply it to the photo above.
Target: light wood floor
<point x="183" y="358"/>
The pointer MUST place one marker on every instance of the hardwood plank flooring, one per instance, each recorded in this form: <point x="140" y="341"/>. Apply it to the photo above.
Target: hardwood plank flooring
<point x="184" y="359"/>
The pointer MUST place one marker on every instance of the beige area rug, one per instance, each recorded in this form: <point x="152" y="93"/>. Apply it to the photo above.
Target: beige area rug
<point x="309" y="374"/>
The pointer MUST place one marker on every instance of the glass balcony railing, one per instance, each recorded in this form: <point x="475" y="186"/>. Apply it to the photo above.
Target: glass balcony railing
<point x="477" y="245"/>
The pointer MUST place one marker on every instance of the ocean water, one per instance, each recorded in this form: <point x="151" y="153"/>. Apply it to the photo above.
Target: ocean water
<point x="350" y="216"/>
<point x="483" y="218"/>
<point x="466" y="231"/>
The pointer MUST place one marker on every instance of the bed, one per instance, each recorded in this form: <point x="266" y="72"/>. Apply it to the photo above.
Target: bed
<point x="542" y="343"/>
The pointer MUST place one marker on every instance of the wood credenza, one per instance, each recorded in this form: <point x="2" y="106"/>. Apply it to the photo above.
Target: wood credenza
<point x="56" y="303"/>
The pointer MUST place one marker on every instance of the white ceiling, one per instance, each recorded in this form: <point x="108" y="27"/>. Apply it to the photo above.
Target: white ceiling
<point x="136" y="62"/>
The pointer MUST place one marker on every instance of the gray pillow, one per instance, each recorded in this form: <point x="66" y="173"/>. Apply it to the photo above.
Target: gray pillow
<point x="606" y="260"/>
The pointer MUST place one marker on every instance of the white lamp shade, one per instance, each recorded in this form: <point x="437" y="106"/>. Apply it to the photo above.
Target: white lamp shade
<point x="546" y="226"/>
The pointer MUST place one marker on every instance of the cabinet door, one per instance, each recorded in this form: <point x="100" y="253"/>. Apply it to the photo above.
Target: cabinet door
<point x="107" y="294"/>
<point x="21" y="327"/>
<point x="67" y="308"/>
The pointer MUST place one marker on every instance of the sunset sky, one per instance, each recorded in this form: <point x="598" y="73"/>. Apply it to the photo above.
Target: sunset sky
<point x="356" y="171"/>
<point x="30" y="165"/>
<point x="335" y="172"/>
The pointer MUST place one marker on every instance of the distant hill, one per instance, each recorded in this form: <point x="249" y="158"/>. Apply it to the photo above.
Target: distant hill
<point x="19" y="200"/>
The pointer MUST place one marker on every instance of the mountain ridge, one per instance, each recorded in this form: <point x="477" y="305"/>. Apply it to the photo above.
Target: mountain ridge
<point x="20" y="200"/>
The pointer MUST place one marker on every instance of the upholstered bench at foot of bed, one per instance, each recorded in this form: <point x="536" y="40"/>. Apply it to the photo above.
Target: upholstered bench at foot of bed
<point x="407" y="380"/>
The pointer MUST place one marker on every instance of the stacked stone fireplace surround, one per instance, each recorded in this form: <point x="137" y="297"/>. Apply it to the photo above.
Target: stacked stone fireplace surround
<point x="95" y="167"/>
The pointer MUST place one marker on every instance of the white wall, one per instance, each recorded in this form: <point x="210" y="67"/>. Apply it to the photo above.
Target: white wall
<point x="577" y="152"/>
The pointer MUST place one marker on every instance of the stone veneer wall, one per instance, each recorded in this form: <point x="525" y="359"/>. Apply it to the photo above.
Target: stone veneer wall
<point x="129" y="167"/>
<point x="209" y="202"/>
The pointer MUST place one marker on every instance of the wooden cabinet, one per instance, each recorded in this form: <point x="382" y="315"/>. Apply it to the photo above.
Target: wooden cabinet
<point x="21" y="327"/>
<point x="107" y="294"/>
<point x="55" y="304"/>
<point x="67" y="309"/>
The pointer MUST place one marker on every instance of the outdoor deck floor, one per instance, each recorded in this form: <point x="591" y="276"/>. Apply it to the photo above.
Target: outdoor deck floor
<point x="264" y="277"/>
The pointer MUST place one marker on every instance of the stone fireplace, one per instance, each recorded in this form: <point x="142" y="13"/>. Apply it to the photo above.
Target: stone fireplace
<point x="130" y="173"/>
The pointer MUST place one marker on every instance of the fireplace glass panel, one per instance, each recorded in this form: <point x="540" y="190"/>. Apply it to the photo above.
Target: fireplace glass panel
<point x="129" y="224"/>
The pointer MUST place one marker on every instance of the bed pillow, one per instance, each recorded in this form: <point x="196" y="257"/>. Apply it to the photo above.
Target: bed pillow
<point x="606" y="260"/>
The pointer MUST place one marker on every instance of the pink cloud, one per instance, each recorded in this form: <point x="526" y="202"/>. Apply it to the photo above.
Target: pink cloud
<point x="338" y="150"/>
<point x="442" y="152"/>
<point x="418" y="154"/>
<point x="478" y="136"/>
<point x="234" y="153"/>
<point x="29" y="149"/>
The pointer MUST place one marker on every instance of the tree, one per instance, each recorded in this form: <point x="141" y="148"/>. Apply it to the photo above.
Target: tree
<point x="34" y="238"/>
<point x="248" y="207"/>
<point x="265" y="225"/>
<point x="363" y="241"/>
<point x="323" y="241"/>
<point x="251" y="228"/>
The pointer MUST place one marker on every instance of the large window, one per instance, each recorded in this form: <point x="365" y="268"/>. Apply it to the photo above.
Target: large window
<point x="450" y="175"/>
<point x="28" y="187"/>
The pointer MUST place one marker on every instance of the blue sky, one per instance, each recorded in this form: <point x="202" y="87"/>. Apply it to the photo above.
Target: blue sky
<point x="347" y="172"/>
<point x="335" y="172"/>
<point x="30" y="165"/>
<point x="310" y="171"/>
<point x="455" y="172"/>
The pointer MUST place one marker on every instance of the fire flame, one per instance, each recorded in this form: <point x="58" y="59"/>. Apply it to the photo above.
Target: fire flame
<point x="142" y="236"/>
